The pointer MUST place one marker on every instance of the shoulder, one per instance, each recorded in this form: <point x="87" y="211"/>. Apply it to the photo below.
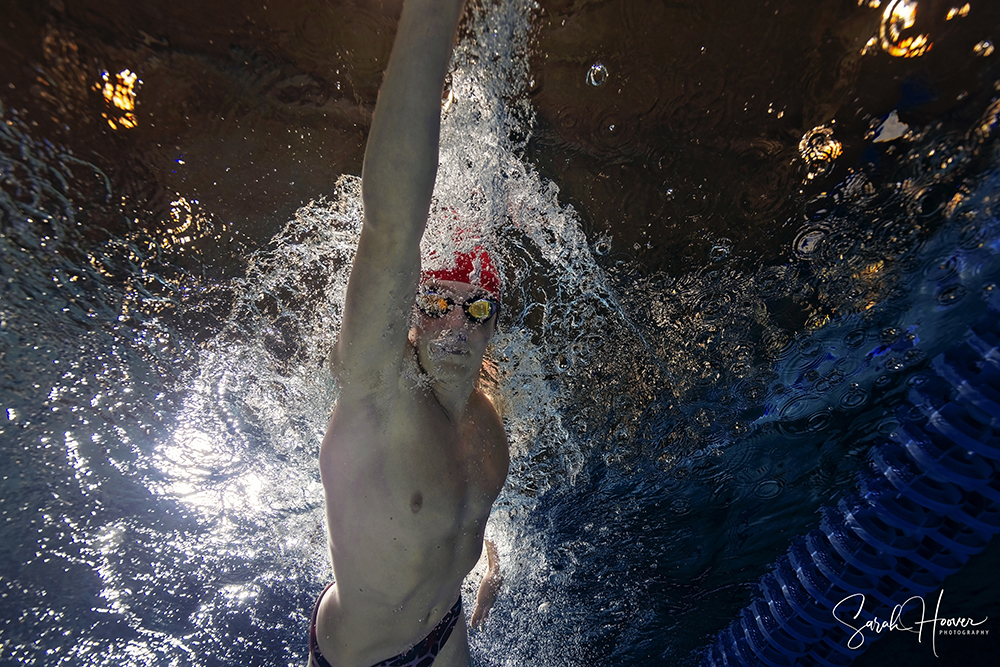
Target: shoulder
<point x="492" y="432"/>
<point x="486" y="413"/>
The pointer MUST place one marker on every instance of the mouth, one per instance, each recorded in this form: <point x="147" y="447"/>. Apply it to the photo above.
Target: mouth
<point x="449" y="343"/>
<point x="442" y="349"/>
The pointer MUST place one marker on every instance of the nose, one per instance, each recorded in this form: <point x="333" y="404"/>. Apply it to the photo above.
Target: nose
<point x="456" y="320"/>
<point x="456" y="334"/>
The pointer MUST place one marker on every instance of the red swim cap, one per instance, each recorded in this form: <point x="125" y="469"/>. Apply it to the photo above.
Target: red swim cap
<point x="474" y="268"/>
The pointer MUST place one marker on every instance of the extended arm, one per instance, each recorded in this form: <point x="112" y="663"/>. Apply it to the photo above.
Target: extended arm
<point x="396" y="184"/>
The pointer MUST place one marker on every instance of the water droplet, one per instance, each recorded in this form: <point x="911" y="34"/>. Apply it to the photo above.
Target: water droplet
<point x="597" y="75"/>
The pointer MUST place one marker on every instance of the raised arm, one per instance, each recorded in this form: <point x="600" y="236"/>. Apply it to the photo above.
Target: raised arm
<point x="397" y="181"/>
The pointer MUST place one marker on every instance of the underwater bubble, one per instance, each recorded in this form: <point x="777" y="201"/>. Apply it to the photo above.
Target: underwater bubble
<point x="819" y="149"/>
<point x="713" y="305"/>
<point x="819" y="208"/>
<point x="818" y="145"/>
<point x="769" y="488"/>
<point x="818" y="421"/>
<point x="597" y="75"/>
<point x="943" y="270"/>
<point x="854" y="397"/>
<point x="817" y="321"/>
<point x="855" y="338"/>
<point x="602" y="246"/>
<point x="945" y="157"/>
<point x="777" y="342"/>
<point x="720" y="250"/>
<point x="888" y="426"/>
<point x="611" y="128"/>
<point x="776" y="281"/>
<point x="971" y="236"/>
<point x="755" y="391"/>
<point x="896" y="32"/>
<point x="740" y="369"/>
<point x="795" y="408"/>
<point x="840" y="245"/>
<point x="987" y="291"/>
<point x="882" y="380"/>
<point x="824" y="385"/>
<point x="951" y="294"/>
<point x="680" y="506"/>
<point x="739" y="429"/>
<point x="894" y="364"/>
<point x="808" y="241"/>
<point x="845" y="367"/>
<point x="897" y="238"/>
<point x="563" y="363"/>
<point x="777" y="452"/>
<point x="809" y="346"/>
<point x="929" y="201"/>
<point x="890" y="335"/>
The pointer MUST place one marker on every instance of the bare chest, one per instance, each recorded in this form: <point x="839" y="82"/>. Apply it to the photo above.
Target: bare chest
<point x="407" y="475"/>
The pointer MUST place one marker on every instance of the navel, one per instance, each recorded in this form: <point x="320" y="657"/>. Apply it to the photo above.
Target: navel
<point x="416" y="502"/>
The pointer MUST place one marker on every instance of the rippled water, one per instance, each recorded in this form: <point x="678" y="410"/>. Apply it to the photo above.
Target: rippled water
<point x="164" y="388"/>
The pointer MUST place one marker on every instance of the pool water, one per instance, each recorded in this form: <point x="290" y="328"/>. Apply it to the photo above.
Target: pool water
<point x="727" y="262"/>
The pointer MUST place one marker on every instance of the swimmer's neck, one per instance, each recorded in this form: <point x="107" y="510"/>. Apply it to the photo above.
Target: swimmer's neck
<point x="452" y="391"/>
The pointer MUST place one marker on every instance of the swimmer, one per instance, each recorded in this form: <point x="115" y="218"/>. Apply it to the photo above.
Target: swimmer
<point x="415" y="454"/>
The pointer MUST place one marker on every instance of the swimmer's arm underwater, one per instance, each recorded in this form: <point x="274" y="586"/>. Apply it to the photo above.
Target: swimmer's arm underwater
<point x="397" y="182"/>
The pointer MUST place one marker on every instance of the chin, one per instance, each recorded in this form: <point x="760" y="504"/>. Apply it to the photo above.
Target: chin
<point x="452" y="364"/>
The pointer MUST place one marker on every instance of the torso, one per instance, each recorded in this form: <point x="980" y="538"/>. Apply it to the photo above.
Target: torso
<point x="408" y="493"/>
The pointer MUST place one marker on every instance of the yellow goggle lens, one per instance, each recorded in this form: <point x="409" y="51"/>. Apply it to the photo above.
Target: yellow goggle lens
<point x="480" y="309"/>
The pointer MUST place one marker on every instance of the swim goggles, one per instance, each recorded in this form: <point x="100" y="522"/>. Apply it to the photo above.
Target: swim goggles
<point x="478" y="308"/>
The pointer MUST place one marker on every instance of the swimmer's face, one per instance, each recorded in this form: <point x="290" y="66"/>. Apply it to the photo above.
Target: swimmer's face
<point x="453" y="323"/>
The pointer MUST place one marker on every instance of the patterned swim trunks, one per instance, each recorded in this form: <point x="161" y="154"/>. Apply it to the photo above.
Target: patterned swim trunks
<point x="421" y="655"/>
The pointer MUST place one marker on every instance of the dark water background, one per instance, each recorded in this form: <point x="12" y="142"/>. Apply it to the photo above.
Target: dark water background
<point x="686" y="170"/>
